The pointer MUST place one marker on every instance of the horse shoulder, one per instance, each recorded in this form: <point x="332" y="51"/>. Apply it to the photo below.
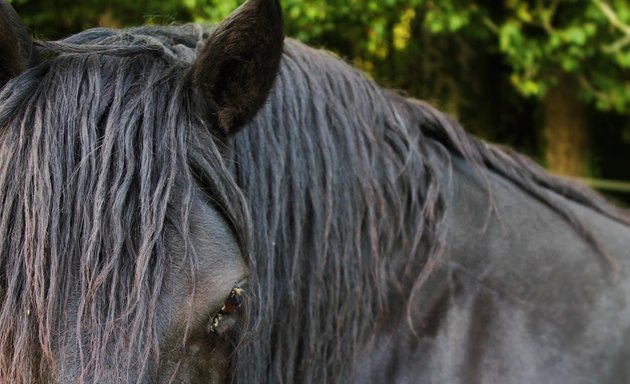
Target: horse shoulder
<point x="519" y="297"/>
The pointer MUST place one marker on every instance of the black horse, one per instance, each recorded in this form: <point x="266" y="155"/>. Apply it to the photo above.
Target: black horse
<point x="194" y="205"/>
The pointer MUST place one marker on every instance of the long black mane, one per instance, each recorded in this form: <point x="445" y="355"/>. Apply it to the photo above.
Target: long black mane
<point x="348" y="207"/>
<point x="346" y="203"/>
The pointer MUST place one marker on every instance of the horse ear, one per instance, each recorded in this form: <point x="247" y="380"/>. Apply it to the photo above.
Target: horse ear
<point x="16" y="44"/>
<point x="236" y="69"/>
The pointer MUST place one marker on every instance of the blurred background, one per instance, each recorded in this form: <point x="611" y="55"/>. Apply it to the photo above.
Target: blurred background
<point x="550" y="78"/>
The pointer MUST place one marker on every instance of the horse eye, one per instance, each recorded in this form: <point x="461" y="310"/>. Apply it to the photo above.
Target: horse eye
<point x="226" y="318"/>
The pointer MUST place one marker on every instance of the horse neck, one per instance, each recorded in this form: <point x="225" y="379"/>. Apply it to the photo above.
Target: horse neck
<point x="340" y="229"/>
<point x="496" y="229"/>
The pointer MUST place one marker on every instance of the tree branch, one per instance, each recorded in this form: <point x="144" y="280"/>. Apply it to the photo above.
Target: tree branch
<point x="612" y="17"/>
<point x="547" y="14"/>
<point x="618" y="45"/>
<point x="591" y="88"/>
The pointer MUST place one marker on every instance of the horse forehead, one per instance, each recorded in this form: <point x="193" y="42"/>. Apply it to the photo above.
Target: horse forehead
<point x="219" y="263"/>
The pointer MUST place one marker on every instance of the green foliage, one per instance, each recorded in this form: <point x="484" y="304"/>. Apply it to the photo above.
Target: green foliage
<point x="544" y="40"/>
<point x="58" y="18"/>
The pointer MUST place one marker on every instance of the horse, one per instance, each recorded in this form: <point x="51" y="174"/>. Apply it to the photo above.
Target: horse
<point x="190" y="204"/>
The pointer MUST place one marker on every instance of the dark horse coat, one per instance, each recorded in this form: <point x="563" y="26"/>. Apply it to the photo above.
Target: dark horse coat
<point x="191" y="205"/>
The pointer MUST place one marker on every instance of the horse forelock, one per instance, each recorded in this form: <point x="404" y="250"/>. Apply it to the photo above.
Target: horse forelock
<point x="94" y="143"/>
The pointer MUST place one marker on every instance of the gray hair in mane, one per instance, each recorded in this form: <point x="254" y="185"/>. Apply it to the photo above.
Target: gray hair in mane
<point x="94" y="141"/>
<point x="347" y="208"/>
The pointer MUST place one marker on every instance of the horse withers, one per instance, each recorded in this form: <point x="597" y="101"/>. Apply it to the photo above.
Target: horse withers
<point x="204" y="205"/>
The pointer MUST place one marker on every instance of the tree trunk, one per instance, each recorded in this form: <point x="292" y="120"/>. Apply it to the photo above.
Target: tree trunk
<point x="565" y="130"/>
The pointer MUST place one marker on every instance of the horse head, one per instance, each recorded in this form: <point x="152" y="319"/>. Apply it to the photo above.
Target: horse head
<point x="123" y="235"/>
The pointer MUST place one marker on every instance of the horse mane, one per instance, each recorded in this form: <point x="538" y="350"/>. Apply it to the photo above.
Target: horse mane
<point x="348" y="210"/>
<point x="100" y="148"/>
<point x="330" y="190"/>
